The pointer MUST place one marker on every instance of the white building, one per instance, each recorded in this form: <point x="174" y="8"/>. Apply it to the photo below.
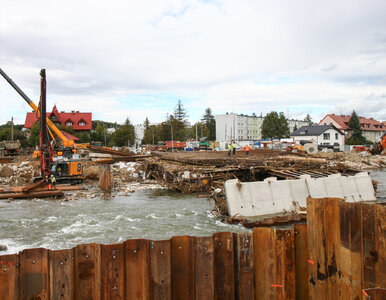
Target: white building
<point x="319" y="134"/>
<point x="237" y="127"/>
<point x="139" y="131"/>
<point x="296" y="124"/>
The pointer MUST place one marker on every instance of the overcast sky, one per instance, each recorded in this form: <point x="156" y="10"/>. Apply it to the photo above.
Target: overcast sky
<point x="135" y="59"/>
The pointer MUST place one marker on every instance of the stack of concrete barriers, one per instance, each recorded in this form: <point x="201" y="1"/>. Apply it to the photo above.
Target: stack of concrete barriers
<point x="272" y="196"/>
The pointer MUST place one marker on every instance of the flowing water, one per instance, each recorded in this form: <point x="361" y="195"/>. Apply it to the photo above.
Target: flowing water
<point x="148" y="214"/>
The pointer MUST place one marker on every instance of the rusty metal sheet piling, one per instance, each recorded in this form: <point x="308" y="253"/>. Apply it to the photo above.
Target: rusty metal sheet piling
<point x="224" y="265"/>
<point x="203" y="268"/>
<point x="338" y="254"/>
<point x="113" y="271"/>
<point x="62" y="265"/>
<point x="9" y="277"/>
<point x="160" y="270"/>
<point x="182" y="268"/>
<point x="88" y="271"/>
<point x="137" y="269"/>
<point x="34" y="283"/>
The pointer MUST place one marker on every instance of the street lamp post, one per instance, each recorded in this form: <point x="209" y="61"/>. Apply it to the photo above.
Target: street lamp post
<point x="171" y="126"/>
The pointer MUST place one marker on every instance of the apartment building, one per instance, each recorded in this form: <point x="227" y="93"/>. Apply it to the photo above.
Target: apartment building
<point x="239" y="127"/>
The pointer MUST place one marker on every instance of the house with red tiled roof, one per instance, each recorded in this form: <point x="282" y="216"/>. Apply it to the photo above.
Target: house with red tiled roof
<point x="371" y="129"/>
<point x="81" y="122"/>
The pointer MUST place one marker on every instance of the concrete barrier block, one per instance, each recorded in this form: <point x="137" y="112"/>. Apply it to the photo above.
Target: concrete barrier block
<point x="365" y="186"/>
<point x="316" y="188"/>
<point x="299" y="191"/>
<point x="281" y="196"/>
<point x="350" y="189"/>
<point x="333" y="186"/>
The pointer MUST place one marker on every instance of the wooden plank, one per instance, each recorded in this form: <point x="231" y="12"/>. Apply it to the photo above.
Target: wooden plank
<point x="380" y="245"/>
<point x="245" y="277"/>
<point x="88" y="271"/>
<point x="224" y="266"/>
<point x="288" y="276"/>
<point x="34" y="282"/>
<point x="62" y="274"/>
<point x="301" y="261"/>
<point x="137" y="269"/>
<point x="263" y="261"/>
<point x="182" y="268"/>
<point x="311" y="241"/>
<point x="203" y="268"/>
<point x="9" y="277"/>
<point x="369" y="255"/>
<point x="160" y="270"/>
<point x="113" y="271"/>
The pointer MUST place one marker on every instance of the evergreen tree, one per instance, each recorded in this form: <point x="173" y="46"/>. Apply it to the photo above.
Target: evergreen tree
<point x="99" y="133"/>
<point x="275" y="126"/>
<point x="355" y="125"/>
<point x="149" y="132"/>
<point x="180" y="113"/>
<point x="124" y="135"/>
<point x="308" y="119"/>
<point x="210" y="123"/>
<point x="356" y="137"/>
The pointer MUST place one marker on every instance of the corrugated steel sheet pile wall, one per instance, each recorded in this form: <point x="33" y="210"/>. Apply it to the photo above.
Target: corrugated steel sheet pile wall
<point x="339" y="254"/>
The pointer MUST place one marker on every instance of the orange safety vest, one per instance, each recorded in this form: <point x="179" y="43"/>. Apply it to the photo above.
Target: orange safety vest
<point x="246" y="148"/>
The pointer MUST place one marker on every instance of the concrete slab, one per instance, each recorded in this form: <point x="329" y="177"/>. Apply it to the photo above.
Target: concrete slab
<point x="273" y="196"/>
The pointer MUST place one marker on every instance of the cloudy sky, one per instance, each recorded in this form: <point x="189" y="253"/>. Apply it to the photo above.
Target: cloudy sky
<point x="135" y="59"/>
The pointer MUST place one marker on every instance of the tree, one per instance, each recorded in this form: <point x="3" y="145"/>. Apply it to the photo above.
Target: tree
<point x="356" y="137"/>
<point x="275" y="126"/>
<point x="201" y="130"/>
<point x="5" y="135"/>
<point x="210" y="123"/>
<point x="34" y="135"/>
<point x="149" y="132"/>
<point x="308" y="119"/>
<point x="124" y="135"/>
<point x="180" y="113"/>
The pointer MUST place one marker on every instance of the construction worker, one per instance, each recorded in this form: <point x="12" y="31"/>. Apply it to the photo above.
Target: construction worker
<point x="229" y="147"/>
<point x="48" y="182"/>
<point x="246" y="149"/>
<point x="53" y="181"/>
<point x="234" y="148"/>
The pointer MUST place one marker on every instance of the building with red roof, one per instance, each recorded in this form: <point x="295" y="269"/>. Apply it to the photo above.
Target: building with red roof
<point x="81" y="122"/>
<point x="371" y="129"/>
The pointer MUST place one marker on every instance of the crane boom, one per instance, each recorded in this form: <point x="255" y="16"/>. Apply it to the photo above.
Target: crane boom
<point x="65" y="141"/>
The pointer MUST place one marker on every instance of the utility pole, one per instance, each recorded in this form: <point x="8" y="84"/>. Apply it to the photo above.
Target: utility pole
<point x="11" y="128"/>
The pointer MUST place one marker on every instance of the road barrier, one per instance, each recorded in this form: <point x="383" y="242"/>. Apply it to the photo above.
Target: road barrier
<point x="338" y="254"/>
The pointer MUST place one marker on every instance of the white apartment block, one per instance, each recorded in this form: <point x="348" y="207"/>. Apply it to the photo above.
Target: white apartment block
<point x="238" y="127"/>
<point x="296" y="124"/>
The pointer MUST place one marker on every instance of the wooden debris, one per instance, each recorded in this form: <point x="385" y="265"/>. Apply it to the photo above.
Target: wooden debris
<point x="111" y="151"/>
<point x="105" y="180"/>
<point x="38" y="194"/>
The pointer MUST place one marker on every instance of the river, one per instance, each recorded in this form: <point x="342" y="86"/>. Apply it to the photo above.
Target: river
<point x="150" y="214"/>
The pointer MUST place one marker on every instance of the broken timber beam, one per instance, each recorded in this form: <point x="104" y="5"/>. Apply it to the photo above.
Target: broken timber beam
<point x="42" y="194"/>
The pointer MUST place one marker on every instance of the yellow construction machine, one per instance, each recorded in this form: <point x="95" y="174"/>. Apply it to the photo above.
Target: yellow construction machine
<point x="59" y="158"/>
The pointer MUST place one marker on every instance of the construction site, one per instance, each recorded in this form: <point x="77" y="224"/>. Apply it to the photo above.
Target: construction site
<point x="270" y="224"/>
